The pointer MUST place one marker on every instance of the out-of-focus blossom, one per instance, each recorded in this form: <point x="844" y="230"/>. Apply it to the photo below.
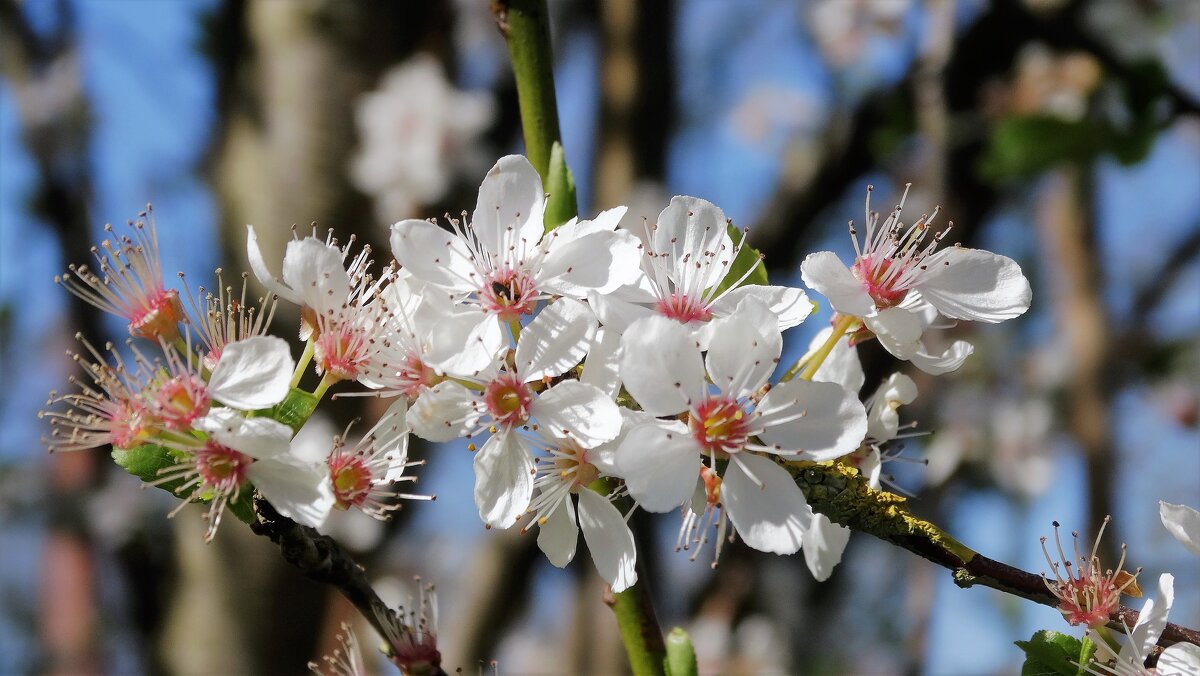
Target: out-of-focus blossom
<point x="416" y="131"/>
<point x="843" y="27"/>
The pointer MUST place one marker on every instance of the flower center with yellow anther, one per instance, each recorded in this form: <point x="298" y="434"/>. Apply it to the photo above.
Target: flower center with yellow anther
<point x="508" y="400"/>
<point x="720" y="424"/>
<point x="351" y="480"/>
<point x="180" y="400"/>
<point x="221" y="468"/>
<point x="572" y="464"/>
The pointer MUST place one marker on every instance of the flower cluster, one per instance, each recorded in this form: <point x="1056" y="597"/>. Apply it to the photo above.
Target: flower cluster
<point x="594" y="369"/>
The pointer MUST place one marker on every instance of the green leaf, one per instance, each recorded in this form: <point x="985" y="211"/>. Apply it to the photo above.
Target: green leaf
<point x="560" y="184"/>
<point x="294" y="410"/>
<point x="1050" y="652"/>
<point x="748" y="257"/>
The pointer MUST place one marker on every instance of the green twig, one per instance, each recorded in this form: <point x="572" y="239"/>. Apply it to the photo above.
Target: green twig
<point x="526" y="28"/>
<point x="639" y="630"/>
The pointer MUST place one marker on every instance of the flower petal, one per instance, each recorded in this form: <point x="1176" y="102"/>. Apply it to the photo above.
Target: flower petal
<point x="695" y="233"/>
<point x="789" y="305"/>
<point x="559" y="535"/>
<point x="766" y="507"/>
<point x="1181" y="659"/>
<point x="602" y="367"/>
<point x="508" y="214"/>
<point x="824" y="544"/>
<point x="841" y="366"/>
<point x="744" y="349"/>
<point x="444" y="412"/>
<point x="556" y="340"/>
<point x="882" y="419"/>
<point x="661" y="366"/>
<point x="434" y="255"/>
<point x="1183" y="523"/>
<point x="816" y="421"/>
<point x="660" y="463"/>
<point x="898" y="331"/>
<point x="1151" y="622"/>
<point x="950" y="360"/>
<point x="259" y="266"/>
<point x="315" y="271"/>
<point x="503" y="480"/>
<point x="609" y="540"/>
<point x="826" y="274"/>
<point x="600" y="262"/>
<point x="464" y="342"/>
<point x="299" y="491"/>
<point x="253" y="373"/>
<point x="617" y="314"/>
<point x="259" y="438"/>
<point x="975" y="284"/>
<point x="578" y="410"/>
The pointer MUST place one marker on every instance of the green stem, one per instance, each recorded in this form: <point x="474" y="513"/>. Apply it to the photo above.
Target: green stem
<point x="681" y="656"/>
<point x="302" y="365"/>
<point x="515" y="327"/>
<point x="639" y="631"/>
<point x="525" y="25"/>
<point x="323" y="386"/>
<point x="840" y="327"/>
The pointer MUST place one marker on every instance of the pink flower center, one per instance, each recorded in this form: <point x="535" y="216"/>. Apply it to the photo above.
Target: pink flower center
<point x="508" y="400"/>
<point x="574" y="467"/>
<point x="342" y="350"/>
<point x="414" y="376"/>
<point x="509" y="294"/>
<point x="683" y="308"/>
<point x="181" y="400"/>
<point x="129" y="426"/>
<point x="720" y="424"/>
<point x="351" y="480"/>
<point x="221" y="468"/>
<point x="883" y="279"/>
<point x="159" y="315"/>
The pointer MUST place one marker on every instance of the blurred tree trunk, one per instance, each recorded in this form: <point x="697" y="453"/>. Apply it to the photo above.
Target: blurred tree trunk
<point x="288" y="76"/>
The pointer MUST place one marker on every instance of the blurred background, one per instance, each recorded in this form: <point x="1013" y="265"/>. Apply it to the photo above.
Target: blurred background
<point x="1064" y="134"/>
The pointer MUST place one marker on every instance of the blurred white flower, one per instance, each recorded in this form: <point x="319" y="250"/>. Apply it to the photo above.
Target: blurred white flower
<point x="415" y="131"/>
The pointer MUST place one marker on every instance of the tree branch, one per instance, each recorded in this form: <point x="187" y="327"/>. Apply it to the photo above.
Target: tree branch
<point x="842" y="494"/>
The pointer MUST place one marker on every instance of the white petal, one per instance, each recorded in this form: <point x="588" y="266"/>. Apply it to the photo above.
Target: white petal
<point x="465" y="342"/>
<point x="579" y="410"/>
<point x="509" y="210"/>
<point x="434" y="255"/>
<point x="391" y="437"/>
<point x="556" y="340"/>
<point x="661" y="366"/>
<point x="444" y="412"/>
<point x="1151" y="621"/>
<point x="789" y="305"/>
<point x="259" y="266"/>
<point x="609" y="540"/>
<point x="882" y="418"/>
<point x="1181" y="659"/>
<point x="898" y="331"/>
<point x="950" y="360"/>
<point x="299" y="491"/>
<point x="767" y="509"/>
<point x="253" y="373"/>
<point x="660" y="462"/>
<point x="259" y="438"/>
<point x="744" y="349"/>
<point x="617" y="314"/>
<point x="841" y="366"/>
<point x="826" y="421"/>
<point x="503" y="480"/>
<point x="315" y="271"/>
<point x="975" y="284"/>
<point x="826" y="274"/>
<point x="600" y="262"/>
<point x="1183" y="523"/>
<point x="602" y="368"/>
<point x="823" y="546"/>
<point x="872" y="468"/>
<point x="695" y="233"/>
<point x="572" y="230"/>
<point x="558" y="536"/>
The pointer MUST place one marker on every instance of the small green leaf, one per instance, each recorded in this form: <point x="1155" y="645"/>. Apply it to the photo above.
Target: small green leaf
<point x="1049" y="653"/>
<point x="145" y="462"/>
<point x="561" y="206"/>
<point x="294" y="410"/>
<point x="748" y="257"/>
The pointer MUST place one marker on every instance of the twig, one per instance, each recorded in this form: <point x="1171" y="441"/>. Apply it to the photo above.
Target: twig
<point x="322" y="559"/>
<point x="842" y="494"/>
